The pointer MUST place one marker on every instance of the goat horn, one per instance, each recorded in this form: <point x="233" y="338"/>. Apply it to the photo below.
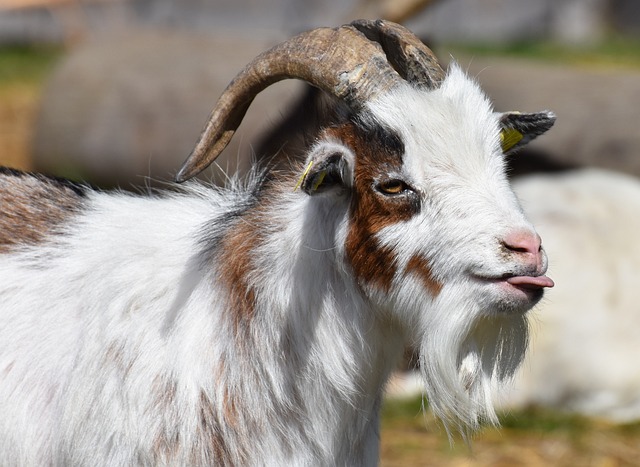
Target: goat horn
<point x="413" y="60"/>
<point x="343" y="62"/>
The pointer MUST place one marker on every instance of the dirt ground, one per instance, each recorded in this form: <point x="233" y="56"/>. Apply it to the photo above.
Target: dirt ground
<point x="500" y="450"/>
<point x="527" y="439"/>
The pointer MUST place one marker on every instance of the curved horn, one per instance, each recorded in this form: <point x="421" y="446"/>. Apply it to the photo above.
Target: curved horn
<point x="413" y="60"/>
<point x="340" y="61"/>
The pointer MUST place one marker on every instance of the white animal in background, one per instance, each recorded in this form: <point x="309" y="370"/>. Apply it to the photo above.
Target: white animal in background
<point x="257" y="324"/>
<point x="585" y="349"/>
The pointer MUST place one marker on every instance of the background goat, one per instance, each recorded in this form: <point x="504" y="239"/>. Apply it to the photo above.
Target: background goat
<point x="584" y="346"/>
<point x="257" y="324"/>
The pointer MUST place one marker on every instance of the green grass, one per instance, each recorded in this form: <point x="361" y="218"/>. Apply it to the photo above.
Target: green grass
<point x="408" y="413"/>
<point x="609" y="52"/>
<point x="535" y="420"/>
<point x="25" y="64"/>
<point x="394" y="410"/>
<point x="543" y="421"/>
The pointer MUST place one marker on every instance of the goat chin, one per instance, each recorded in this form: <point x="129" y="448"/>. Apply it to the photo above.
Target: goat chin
<point x="465" y="351"/>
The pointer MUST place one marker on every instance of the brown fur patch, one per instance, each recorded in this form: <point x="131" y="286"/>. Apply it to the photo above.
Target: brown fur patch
<point x="164" y="391"/>
<point x="167" y="442"/>
<point x="231" y="416"/>
<point x="377" y="156"/>
<point x="235" y="263"/>
<point x="235" y="257"/>
<point x="33" y="207"/>
<point x="419" y="266"/>
<point x="211" y="436"/>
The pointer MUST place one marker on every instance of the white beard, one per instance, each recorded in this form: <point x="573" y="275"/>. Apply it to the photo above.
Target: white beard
<point x="465" y="352"/>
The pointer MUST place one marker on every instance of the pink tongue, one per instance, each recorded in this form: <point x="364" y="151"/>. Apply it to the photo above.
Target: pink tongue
<point x="530" y="281"/>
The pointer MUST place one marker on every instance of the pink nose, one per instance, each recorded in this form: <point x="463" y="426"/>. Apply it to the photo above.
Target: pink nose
<point x="526" y="243"/>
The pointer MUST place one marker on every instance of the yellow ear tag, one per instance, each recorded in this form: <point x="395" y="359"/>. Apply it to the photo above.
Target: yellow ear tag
<point x="303" y="176"/>
<point x="509" y="137"/>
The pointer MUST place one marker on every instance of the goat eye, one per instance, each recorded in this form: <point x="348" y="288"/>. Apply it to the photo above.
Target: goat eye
<point x="392" y="187"/>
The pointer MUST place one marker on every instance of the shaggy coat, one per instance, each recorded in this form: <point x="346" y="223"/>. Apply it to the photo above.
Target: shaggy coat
<point x="257" y="324"/>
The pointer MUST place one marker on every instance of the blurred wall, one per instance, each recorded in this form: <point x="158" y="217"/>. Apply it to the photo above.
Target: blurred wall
<point x="460" y="20"/>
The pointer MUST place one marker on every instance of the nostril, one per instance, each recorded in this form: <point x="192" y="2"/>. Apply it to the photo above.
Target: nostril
<point x="516" y="248"/>
<point x="522" y="241"/>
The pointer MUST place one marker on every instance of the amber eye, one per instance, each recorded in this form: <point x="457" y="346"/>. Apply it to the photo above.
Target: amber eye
<point x="392" y="187"/>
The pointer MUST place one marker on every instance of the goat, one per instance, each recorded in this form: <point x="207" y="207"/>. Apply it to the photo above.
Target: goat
<point x="257" y="324"/>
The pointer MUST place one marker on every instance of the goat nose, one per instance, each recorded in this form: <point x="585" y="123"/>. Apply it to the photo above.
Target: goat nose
<point x="523" y="242"/>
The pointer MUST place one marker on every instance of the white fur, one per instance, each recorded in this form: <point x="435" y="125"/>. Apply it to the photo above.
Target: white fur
<point x="111" y="333"/>
<point x="457" y="162"/>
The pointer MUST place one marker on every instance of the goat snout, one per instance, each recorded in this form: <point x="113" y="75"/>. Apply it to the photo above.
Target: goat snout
<point x="524" y="250"/>
<point x="526" y="246"/>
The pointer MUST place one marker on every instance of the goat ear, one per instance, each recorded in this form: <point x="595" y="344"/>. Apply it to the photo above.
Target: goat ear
<point x="328" y="168"/>
<point x="517" y="129"/>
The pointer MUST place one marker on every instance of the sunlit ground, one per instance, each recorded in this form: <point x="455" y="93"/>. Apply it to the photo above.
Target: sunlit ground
<point x="409" y="438"/>
<point x="526" y="438"/>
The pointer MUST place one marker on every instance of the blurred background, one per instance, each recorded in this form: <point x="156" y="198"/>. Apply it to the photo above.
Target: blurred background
<point x="116" y="92"/>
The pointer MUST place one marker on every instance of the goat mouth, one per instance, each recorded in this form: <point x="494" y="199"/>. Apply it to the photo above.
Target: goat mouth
<point x="524" y="289"/>
<point x="534" y="281"/>
<point x="529" y="282"/>
<point x="512" y="293"/>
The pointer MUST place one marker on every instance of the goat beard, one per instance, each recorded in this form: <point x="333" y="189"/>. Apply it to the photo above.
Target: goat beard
<point x="467" y="351"/>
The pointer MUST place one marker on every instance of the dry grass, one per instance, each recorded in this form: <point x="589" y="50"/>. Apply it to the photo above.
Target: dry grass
<point x="18" y="105"/>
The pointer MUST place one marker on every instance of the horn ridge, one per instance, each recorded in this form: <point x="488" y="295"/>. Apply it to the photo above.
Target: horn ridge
<point x="409" y="56"/>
